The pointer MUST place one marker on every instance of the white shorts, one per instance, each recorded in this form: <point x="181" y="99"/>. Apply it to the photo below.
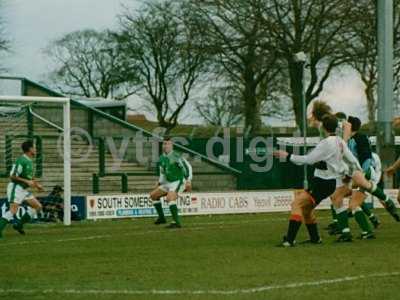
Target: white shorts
<point x="175" y="186"/>
<point x="375" y="178"/>
<point x="17" y="194"/>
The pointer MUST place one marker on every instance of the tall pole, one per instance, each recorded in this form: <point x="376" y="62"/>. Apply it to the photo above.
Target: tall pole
<point x="301" y="59"/>
<point x="67" y="163"/>
<point x="385" y="138"/>
<point x="304" y="104"/>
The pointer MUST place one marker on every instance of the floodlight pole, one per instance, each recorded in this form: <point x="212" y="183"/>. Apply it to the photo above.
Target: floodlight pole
<point x="301" y="59"/>
<point x="385" y="137"/>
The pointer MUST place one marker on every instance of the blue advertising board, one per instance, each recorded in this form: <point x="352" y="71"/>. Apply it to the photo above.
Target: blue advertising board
<point x="78" y="207"/>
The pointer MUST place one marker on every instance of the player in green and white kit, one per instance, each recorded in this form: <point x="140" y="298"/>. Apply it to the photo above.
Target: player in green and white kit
<point x="22" y="179"/>
<point x="175" y="177"/>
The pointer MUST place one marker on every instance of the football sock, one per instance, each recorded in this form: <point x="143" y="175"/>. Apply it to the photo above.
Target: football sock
<point x="313" y="232"/>
<point x="368" y="212"/>
<point x="333" y="213"/>
<point x="174" y="212"/>
<point x="343" y="219"/>
<point x="159" y="209"/>
<point x="361" y="220"/>
<point x="391" y="208"/>
<point x="293" y="229"/>
<point x="379" y="193"/>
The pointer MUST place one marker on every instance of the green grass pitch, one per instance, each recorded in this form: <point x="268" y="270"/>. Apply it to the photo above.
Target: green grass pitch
<point x="219" y="257"/>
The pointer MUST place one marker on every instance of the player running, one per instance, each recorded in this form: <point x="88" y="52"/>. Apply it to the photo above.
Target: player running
<point x="21" y="177"/>
<point x="175" y="177"/>
<point x="328" y="157"/>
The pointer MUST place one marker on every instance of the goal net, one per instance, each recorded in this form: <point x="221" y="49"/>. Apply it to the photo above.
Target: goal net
<point x="46" y="122"/>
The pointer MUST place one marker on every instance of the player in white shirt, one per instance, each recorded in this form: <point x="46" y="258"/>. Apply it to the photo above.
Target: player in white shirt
<point x="331" y="157"/>
<point x="355" y="175"/>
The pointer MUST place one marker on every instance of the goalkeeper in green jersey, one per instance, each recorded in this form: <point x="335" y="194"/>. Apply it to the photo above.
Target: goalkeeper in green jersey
<point x="21" y="177"/>
<point x="175" y="177"/>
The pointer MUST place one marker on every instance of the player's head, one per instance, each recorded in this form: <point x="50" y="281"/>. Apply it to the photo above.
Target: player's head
<point x="341" y="115"/>
<point x="320" y="109"/>
<point x="28" y="148"/>
<point x="355" y="123"/>
<point x="329" y="123"/>
<point x="167" y="144"/>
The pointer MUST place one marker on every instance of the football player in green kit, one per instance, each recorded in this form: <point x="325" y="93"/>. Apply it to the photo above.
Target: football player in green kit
<point x="175" y="177"/>
<point x="21" y="179"/>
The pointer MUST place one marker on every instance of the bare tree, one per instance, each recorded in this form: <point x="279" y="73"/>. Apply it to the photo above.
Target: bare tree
<point x="5" y="46"/>
<point x="87" y="65"/>
<point x="241" y="48"/>
<point x="363" y="52"/>
<point x="222" y="107"/>
<point x="162" y="57"/>
<point x="316" y="27"/>
<point x="276" y="100"/>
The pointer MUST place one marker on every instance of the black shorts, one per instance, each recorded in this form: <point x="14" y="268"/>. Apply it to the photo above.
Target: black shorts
<point x="321" y="189"/>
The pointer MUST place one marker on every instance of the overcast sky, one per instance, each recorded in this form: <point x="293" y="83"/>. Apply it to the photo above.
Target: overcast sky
<point x="32" y="24"/>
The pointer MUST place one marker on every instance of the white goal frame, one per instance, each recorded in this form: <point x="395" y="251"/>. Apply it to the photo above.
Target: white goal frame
<point x="67" y="142"/>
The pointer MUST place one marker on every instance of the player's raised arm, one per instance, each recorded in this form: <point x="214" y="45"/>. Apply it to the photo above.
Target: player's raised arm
<point x="318" y="154"/>
<point x="346" y="131"/>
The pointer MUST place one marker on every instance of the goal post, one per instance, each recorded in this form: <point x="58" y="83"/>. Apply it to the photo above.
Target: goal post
<point x="66" y="131"/>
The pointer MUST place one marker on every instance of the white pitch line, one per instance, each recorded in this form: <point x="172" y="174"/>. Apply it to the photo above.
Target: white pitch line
<point x="104" y="236"/>
<point x="145" y="231"/>
<point x="202" y="292"/>
<point x="220" y="225"/>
